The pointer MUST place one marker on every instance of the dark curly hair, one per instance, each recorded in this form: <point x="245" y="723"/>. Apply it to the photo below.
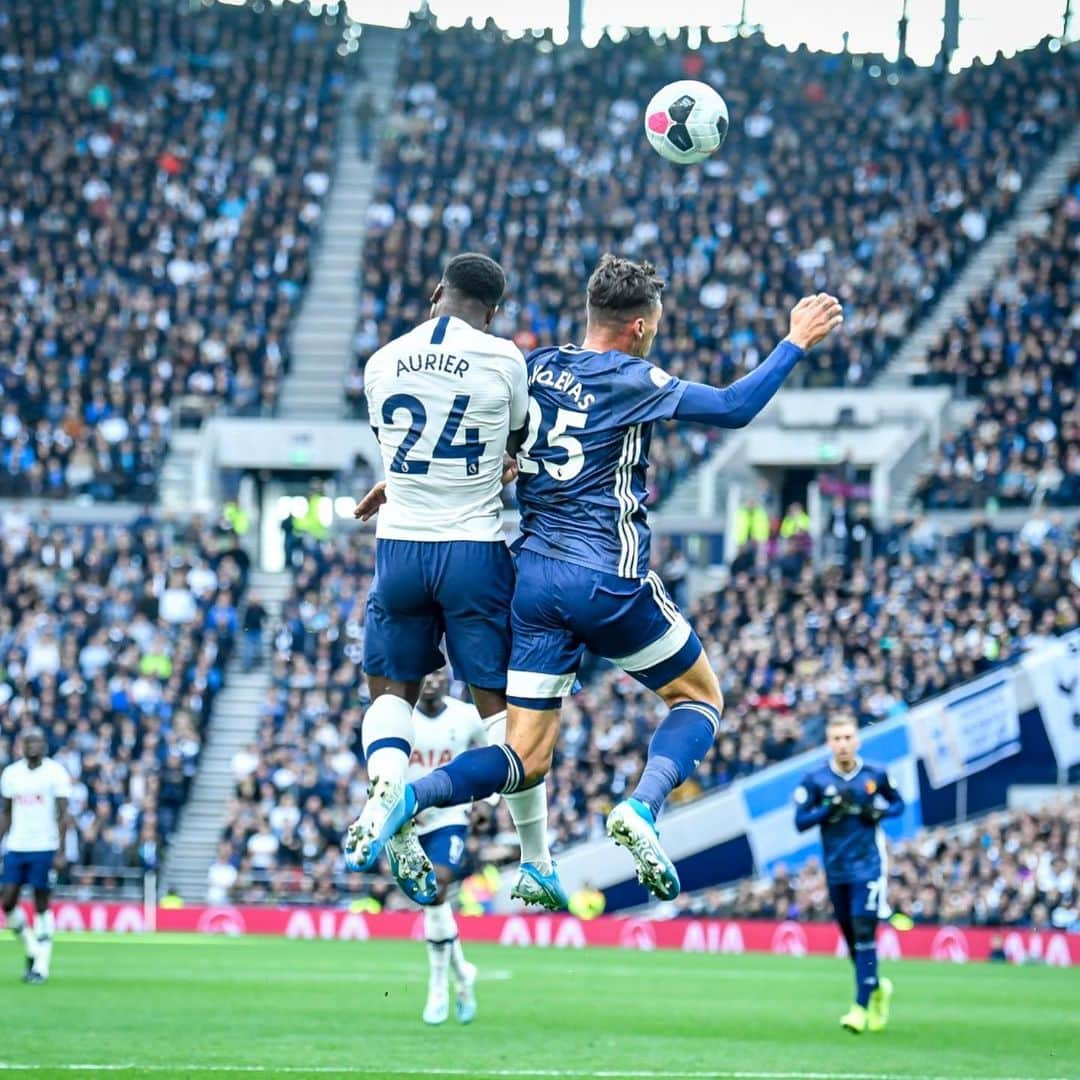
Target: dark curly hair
<point x="621" y="289"/>
<point x="476" y="277"/>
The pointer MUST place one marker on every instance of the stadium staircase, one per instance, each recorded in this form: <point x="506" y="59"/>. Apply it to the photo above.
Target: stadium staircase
<point x="1044" y="190"/>
<point x="233" y="725"/>
<point x="321" y="343"/>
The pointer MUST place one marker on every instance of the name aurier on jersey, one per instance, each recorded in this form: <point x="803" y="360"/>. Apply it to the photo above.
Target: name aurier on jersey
<point x="447" y="362"/>
<point x="544" y="376"/>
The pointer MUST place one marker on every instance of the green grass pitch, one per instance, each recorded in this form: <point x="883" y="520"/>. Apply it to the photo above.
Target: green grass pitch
<point x="185" y="1006"/>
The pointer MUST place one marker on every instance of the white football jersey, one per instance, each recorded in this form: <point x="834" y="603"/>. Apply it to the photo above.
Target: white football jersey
<point x="443" y="399"/>
<point x="437" y="740"/>
<point x="33" y="794"/>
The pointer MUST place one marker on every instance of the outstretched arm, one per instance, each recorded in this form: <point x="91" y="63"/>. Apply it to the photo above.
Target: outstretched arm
<point x="812" y="319"/>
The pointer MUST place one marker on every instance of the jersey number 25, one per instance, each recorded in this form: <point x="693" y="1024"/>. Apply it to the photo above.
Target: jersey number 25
<point x="556" y="439"/>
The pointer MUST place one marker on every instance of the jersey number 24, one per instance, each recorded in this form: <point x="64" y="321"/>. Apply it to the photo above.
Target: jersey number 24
<point x="472" y="450"/>
<point x="556" y="438"/>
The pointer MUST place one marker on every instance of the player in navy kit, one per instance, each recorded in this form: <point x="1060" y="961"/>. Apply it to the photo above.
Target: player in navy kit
<point x="582" y="568"/>
<point x="445" y="401"/>
<point x="847" y="798"/>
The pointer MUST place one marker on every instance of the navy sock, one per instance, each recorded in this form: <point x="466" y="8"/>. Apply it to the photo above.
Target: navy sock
<point x="476" y="774"/>
<point x="866" y="979"/>
<point x="676" y="750"/>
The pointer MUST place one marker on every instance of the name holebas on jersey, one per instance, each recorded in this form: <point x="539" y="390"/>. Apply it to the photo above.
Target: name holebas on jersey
<point x="564" y="382"/>
<point x="447" y="363"/>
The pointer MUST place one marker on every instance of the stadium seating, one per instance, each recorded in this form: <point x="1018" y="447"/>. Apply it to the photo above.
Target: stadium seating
<point x="164" y="169"/>
<point x="1016" y="347"/>
<point x="115" y="640"/>
<point x="793" y="646"/>
<point x="875" y="187"/>
<point x="298" y="785"/>
<point x="1013" y="868"/>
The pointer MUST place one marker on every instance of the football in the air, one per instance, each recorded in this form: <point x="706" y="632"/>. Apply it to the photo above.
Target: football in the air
<point x="686" y="121"/>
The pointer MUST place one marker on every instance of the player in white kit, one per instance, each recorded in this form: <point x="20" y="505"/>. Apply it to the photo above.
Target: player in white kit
<point x="445" y="400"/>
<point x="444" y="728"/>
<point x="34" y="796"/>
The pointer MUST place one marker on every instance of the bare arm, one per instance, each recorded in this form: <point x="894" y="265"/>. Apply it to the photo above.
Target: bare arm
<point x="5" y="817"/>
<point x="63" y="820"/>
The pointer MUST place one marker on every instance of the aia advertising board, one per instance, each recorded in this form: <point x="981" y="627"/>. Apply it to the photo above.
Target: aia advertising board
<point x="733" y="936"/>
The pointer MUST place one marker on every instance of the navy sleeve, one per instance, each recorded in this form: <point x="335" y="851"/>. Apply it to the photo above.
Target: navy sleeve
<point x="645" y="392"/>
<point x="808" y="808"/>
<point x="893" y="797"/>
<point x="736" y="405"/>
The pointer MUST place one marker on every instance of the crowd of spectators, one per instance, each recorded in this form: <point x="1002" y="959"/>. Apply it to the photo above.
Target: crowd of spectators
<point x="165" y="165"/>
<point x="838" y="173"/>
<point x="1016" y="347"/>
<point x="114" y="640"/>
<point x="904" y="618"/>
<point x="1012" y="868"/>
<point x="299" y="784"/>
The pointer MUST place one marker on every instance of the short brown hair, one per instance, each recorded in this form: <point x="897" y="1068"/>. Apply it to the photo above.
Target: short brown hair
<point x="839" y="719"/>
<point x="620" y="288"/>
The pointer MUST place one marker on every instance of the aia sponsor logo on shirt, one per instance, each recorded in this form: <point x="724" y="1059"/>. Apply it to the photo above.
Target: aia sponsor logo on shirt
<point x="32" y="798"/>
<point x="430" y="759"/>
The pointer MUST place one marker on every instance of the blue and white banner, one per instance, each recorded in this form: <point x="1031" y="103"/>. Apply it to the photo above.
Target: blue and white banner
<point x="770" y="806"/>
<point x="1055" y="681"/>
<point x="969" y="729"/>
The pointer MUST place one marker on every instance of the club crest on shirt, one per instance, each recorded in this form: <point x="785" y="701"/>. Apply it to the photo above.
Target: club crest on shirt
<point x="871" y="787"/>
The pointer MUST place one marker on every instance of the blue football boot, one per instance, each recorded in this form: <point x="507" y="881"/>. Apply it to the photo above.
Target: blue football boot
<point x="632" y="826"/>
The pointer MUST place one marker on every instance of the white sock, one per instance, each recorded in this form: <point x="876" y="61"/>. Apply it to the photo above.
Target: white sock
<point x="388" y="718"/>
<point x="44" y="928"/>
<point x="457" y="959"/>
<point x="440" y="929"/>
<point x="528" y="808"/>
<point x="16" y="922"/>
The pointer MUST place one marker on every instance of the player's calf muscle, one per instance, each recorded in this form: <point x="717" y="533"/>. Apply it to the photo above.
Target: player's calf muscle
<point x="532" y="734"/>
<point x="698" y="683"/>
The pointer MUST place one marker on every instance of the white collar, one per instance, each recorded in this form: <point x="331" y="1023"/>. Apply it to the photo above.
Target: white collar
<point x="843" y="775"/>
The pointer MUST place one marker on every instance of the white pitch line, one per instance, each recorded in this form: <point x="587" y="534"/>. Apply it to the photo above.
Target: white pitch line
<point x="497" y="1074"/>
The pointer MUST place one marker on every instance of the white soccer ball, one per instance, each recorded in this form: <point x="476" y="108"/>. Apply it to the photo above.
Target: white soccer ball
<point x="686" y="121"/>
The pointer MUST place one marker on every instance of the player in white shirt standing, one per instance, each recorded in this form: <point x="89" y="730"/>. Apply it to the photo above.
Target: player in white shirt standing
<point x="444" y="401"/>
<point x="34" y="796"/>
<point x="444" y="727"/>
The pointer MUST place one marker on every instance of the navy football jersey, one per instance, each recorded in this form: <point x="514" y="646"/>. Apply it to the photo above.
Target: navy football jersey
<point x="854" y="847"/>
<point x="582" y="468"/>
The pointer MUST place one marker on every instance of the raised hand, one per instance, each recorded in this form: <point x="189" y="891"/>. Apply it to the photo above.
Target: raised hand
<point x="813" y="318"/>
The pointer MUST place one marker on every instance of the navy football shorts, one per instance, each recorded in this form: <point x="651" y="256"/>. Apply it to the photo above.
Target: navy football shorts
<point x="446" y="847"/>
<point x="33" y="868"/>
<point x="425" y="590"/>
<point x="560" y="609"/>
<point x="859" y="899"/>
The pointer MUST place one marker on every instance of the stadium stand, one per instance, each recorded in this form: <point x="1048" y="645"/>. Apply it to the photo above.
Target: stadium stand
<point x="1016" y="347"/>
<point x="794" y="645"/>
<point x="919" y="169"/>
<point x="165" y="169"/>
<point x="1013" y="868"/>
<point x="115" y="640"/>
<point x="297" y="785"/>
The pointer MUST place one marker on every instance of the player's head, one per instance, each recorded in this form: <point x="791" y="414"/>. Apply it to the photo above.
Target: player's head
<point x="33" y="744"/>
<point x="842" y="738"/>
<point x="624" y="303"/>
<point x="434" y="689"/>
<point x="471" y="288"/>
